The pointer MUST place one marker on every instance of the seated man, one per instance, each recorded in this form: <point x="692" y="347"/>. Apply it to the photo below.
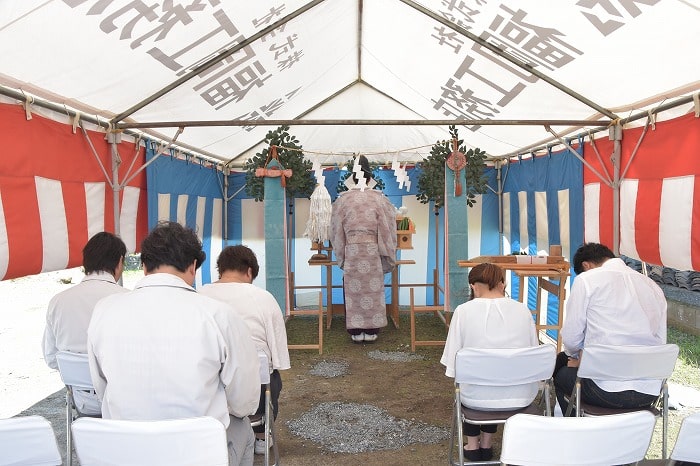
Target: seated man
<point x="238" y="267"/>
<point x="69" y="312"/>
<point x="164" y="351"/>
<point x="609" y="304"/>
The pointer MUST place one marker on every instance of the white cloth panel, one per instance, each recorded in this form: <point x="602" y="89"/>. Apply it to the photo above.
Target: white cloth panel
<point x="628" y="207"/>
<point x="128" y="215"/>
<point x="4" y="246"/>
<point x="95" y="204"/>
<point x="474" y="215"/>
<point x="676" y="221"/>
<point x="217" y="233"/>
<point x="591" y="222"/>
<point x="253" y="232"/>
<point x="163" y="207"/>
<point x="421" y="214"/>
<point x="304" y="274"/>
<point x="522" y="220"/>
<point x="564" y="222"/>
<point x="507" y="246"/>
<point x="541" y="221"/>
<point x="182" y="201"/>
<point x="199" y="231"/>
<point x="54" y="229"/>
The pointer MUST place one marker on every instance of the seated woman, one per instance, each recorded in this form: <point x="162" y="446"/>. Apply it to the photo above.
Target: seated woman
<point x="489" y="320"/>
<point x="238" y="267"/>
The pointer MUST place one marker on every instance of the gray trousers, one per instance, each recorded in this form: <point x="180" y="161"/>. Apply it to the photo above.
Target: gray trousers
<point x="240" y="440"/>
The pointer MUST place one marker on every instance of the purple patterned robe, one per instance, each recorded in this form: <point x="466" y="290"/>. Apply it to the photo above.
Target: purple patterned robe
<point x="363" y="235"/>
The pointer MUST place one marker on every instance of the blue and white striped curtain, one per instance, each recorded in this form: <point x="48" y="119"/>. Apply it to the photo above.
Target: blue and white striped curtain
<point x="542" y="206"/>
<point x="187" y="192"/>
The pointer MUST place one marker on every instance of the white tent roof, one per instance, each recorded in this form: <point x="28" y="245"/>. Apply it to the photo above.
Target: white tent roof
<point x="376" y="60"/>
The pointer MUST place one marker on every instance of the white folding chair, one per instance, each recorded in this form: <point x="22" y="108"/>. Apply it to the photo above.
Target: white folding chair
<point x="498" y="368"/>
<point x="198" y="441"/>
<point x="625" y="363"/>
<point x="687" y="447"/>
<point x="570" y="441"/>
<point x="266" y="419"/>
<point x="75" y="374"/>
<point x="28" y="441"/>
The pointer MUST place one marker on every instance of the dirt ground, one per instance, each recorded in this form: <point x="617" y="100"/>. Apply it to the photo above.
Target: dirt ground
<point x="415" y="390"/>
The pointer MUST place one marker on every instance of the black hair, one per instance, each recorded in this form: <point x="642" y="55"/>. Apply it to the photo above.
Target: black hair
<point x="102" y="253"/>
<point x="238" y="258"/>
<point x="170" y="243"/>
<point x="591" y="252"/>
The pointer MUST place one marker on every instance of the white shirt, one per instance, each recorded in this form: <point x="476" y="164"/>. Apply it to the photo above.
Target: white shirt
<point x="491" y="323"/>
<point x="163" y="351"/>
<point x="69" y="313"/>
<point x="615" y="305"/>
<point x="261" y="312"/>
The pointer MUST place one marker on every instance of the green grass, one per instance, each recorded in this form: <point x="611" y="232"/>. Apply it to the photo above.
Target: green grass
<point x="687" y="370"/>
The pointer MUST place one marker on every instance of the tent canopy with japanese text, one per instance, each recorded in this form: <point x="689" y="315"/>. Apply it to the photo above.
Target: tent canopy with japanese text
<point x="522" y="80"/>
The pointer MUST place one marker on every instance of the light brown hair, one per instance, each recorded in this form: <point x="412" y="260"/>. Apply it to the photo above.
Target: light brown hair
<point x="488" y="274"/>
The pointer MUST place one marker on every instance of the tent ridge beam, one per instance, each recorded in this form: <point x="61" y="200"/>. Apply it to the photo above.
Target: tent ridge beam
<point x="501" y="53"/>
<point x="195" y="123"/>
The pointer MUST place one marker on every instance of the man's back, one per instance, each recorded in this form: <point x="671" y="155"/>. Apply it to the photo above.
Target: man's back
<point x="69" y="314"/>
<point x="616" y="306"/>
<point x="163" y="351"/>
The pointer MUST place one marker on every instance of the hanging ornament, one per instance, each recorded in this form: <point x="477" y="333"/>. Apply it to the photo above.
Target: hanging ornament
<point x="456" y="162"/>
<point x="319" y="223"/>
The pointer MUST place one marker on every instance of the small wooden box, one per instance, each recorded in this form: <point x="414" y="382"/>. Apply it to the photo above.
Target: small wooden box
<point x="404" y="239"/>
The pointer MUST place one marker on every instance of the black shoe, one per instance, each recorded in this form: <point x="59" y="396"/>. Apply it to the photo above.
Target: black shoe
<point x="486" y="454"/>
<point x="473" y="455"/>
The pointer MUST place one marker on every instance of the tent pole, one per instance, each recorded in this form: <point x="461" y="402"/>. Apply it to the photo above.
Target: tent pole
<point x="358" y="122"/>
<point x="499" y="196"/>
<point x="114" y="138"/>
<point x="225" y="173"/>
<point x="616" y="135"/>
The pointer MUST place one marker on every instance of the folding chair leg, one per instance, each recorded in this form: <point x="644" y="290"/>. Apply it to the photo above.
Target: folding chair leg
<point x="270" y="430"/>
<point x="456" y="433"/>
<point x="664" y="421"/>
<point x="69" y="432"/>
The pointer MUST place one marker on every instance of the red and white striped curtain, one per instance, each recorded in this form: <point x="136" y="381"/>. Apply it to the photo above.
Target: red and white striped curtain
<point x="659" y="194"/>
<point x="54" y="195"/>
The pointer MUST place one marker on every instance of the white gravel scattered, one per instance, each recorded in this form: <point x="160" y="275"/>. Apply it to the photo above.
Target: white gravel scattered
<point x="394" y="356"/>
<point x="330" y="369"/>
<point x="355" y="428"/>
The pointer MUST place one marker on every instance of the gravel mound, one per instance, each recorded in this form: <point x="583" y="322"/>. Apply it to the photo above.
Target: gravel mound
<point x="394" y="356"/>
<point x="330" y="369"/>
<point x="356" y="428"/>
